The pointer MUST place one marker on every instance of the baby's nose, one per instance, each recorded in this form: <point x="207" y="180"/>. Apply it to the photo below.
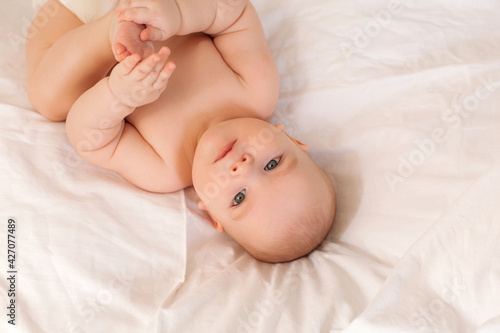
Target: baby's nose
<point x="241" y="164"/>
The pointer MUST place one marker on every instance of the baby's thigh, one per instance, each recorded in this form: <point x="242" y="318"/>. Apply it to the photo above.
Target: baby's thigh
<point x="52" y="21"/>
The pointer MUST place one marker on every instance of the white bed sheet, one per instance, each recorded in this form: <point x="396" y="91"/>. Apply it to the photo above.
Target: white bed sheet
<point x="93" y="253"/>
<point x="400" y="104"/>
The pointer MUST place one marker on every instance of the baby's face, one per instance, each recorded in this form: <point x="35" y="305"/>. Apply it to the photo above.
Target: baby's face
<point x="253" y="179"/>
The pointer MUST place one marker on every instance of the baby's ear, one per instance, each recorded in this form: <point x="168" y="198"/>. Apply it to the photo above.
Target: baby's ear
<point x="201" y="205"/>
<point x="281" y="127"/>
<point x="301" y="145"/>
<point x="217" y="225"/>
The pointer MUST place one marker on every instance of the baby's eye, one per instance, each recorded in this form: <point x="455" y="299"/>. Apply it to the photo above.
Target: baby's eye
<point x="238" y="198"/>
<point x="272" y="164"/>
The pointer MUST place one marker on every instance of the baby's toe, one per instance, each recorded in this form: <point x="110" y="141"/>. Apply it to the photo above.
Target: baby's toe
<point x="119" y="51"/>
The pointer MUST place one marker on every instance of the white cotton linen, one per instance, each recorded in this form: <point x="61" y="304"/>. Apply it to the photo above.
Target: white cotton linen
<point x="93" y="253"/>
<point x="399" y="102"/>
<point x="449" y="280"/>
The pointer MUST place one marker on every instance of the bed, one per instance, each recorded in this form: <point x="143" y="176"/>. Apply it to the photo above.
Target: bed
<point x="399" y="101"/>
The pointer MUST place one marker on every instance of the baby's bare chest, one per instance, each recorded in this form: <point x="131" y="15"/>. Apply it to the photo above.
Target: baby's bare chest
<point x="202" y="87"/>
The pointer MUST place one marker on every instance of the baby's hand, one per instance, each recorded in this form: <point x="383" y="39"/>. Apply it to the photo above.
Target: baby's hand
<point x="136" y="83"/>
<point x="161" y="17"/>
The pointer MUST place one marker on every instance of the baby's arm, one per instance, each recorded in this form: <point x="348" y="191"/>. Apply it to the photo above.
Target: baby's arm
<point x="97" y="129"/>
<point x="237" y="33"/>
<point x="244" y="48"/>
<point x="166" y="18"/>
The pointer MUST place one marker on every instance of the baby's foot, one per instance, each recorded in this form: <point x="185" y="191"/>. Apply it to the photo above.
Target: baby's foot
<point x="125" y="40"/>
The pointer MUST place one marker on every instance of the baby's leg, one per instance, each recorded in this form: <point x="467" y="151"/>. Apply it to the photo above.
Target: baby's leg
<point x="65" y="58"/>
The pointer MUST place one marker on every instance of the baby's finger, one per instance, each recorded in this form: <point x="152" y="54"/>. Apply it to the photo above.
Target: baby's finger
<point x="121" y="5"/>
<point x="120" y="52"/>
<point x="152" y="33"/>
<point x="129" y="4"/>
<point x="144" y="68"/>
<point x="139" y="15"/>
<point x="125" y="4"/>
<point x="155" y="71"/>
<point x="127" y="65"/>
<point x="164" y="75"/>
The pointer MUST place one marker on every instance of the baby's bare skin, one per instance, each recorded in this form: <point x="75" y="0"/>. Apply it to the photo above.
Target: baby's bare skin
<point x="201" y="90"/>
<point x="191" y="113"/>
<point x="125" y="41"/>
<point x="171" y="125"/>
<point x="154" y="147"/>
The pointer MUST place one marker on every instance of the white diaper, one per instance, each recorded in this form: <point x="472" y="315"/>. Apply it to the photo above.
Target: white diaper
<point x="89" y="10"/>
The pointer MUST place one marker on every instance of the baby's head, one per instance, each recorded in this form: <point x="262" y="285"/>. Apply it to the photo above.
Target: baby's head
<point x="259" y="185"/>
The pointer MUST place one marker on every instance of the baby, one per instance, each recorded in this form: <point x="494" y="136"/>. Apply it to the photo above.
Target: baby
<point x="187" y="104"/>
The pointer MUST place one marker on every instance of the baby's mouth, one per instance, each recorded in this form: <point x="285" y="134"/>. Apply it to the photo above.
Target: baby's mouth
<point x="224" y="151"/>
